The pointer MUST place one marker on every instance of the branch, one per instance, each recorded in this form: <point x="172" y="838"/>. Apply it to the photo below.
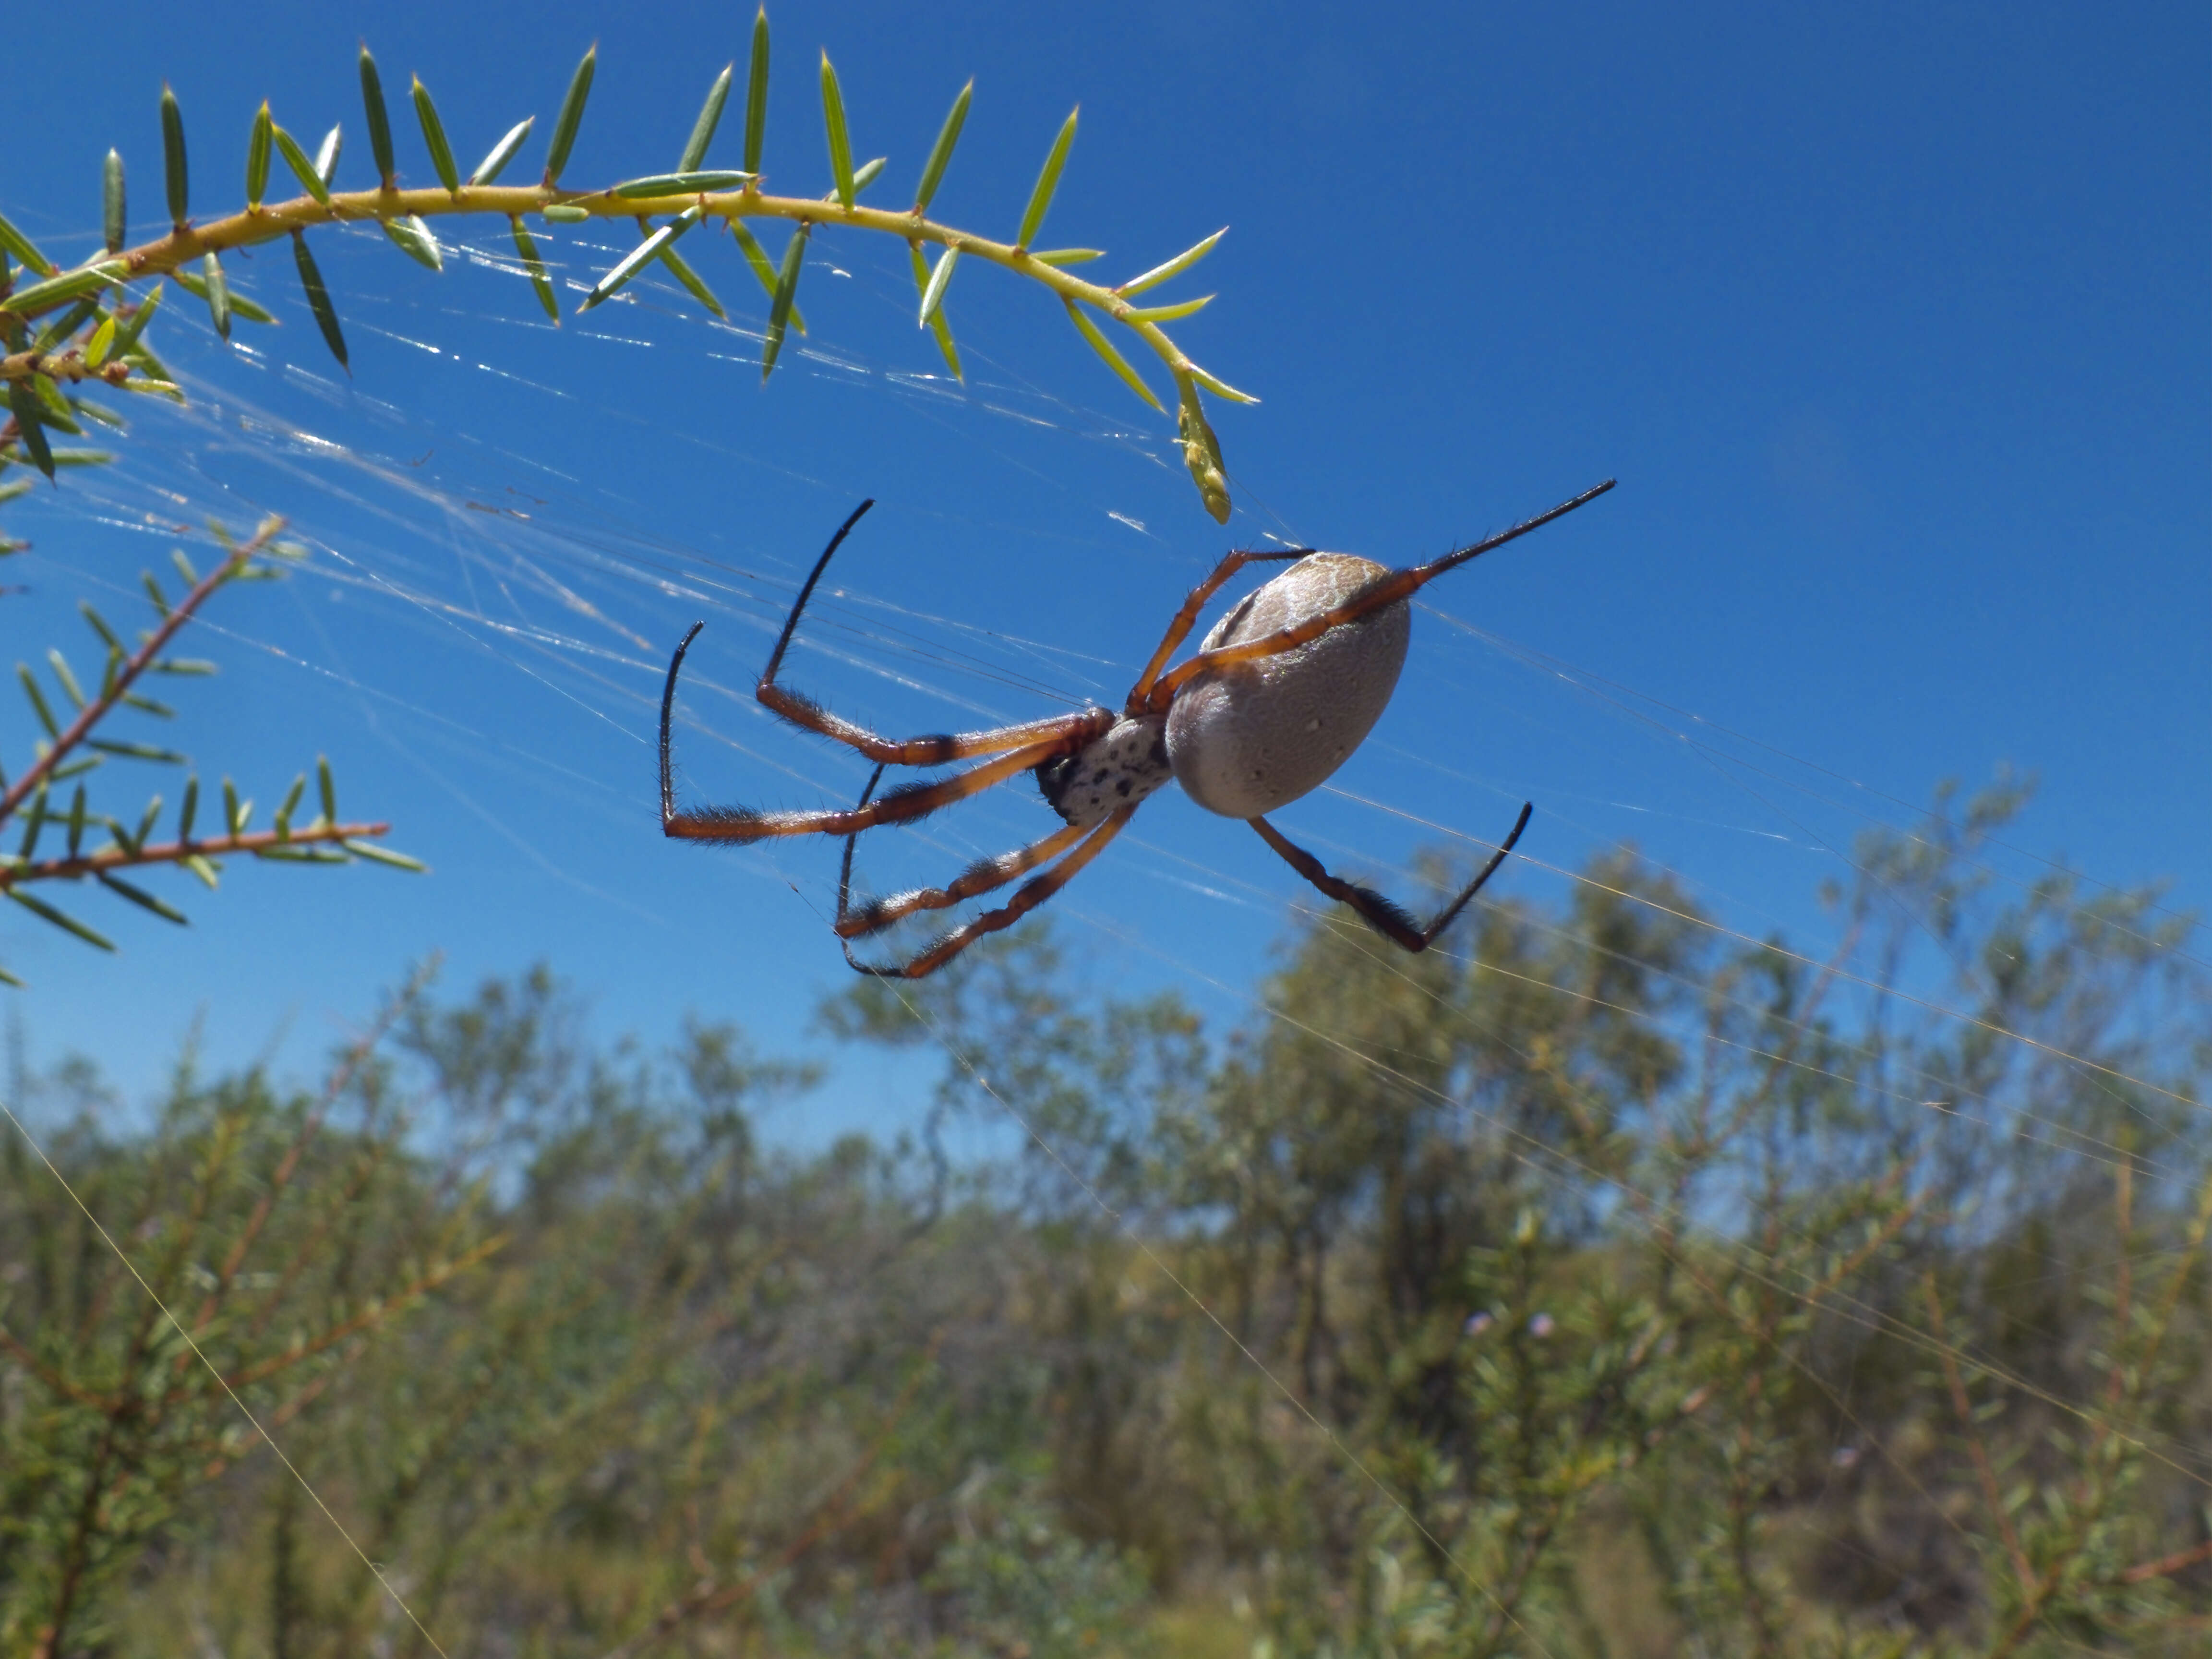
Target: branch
<point x="259" y="843"/>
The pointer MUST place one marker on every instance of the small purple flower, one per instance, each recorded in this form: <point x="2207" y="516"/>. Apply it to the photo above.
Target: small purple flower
<point x="1541" y="1325"/>
<point x="1477" y="1323"/>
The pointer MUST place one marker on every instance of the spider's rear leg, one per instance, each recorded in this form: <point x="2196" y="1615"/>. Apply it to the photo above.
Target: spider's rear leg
<point x="875" y="915"/>
<point x="1026" y="898"/>
<point x="1380" y="913"/>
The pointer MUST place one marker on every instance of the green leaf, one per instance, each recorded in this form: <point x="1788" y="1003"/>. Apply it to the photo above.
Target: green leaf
<point x="756" y="93"/>
<point x="1069" y="256"/>
<point x="60" y="290"/>
<point x="762" y="267"/>
<point x="23" y="402"/>
<point x="679" y="184"/>
<point x="60" y="666"/>
<point x="319" y="300"/>
<point x="77" y="822"/>
<point x="141" y="897"/>
<point x="300" y="855"/>
<point x="194" y="282"/>
<point x="302" y="168"/>
<point x="868" y="172"/>
<point x="154" y="592"/>
<point x="710" y="117"/>
<point x="144" y="751"/>
<point x="202" y="867"/>
<point x="127" y="336"/>
<point x="22" y="247"/>
<point x="933" y="296"/>
<point x="376" y="855"/>
<point x="941" y="329"/>
<point x="257" y="159"/>
<point x="1175" y="267"/>
<point x="495" y="162"/>
<point x="434" y="137"/>
<point x="7" y="978"/>
<point x="61" y="327"/>
<point x="1168" y="313"/>
<point x="8" y="492"/>
<point x="571" y="118"/>
<point x="195" y="667"/>
<point x="216" y="291"/>
<point x="786" y="290"/>
<point x="1047" y="181"/>
<point x="380" y="123"/>
<point x="45" y="912"/>
<point x="692" y="281"/>
<point x="527" y="246"/>
<point x="189" y="809"/>
<point x="326" y="789"/>
<point x="565" y="212"/>
<point x="1104" y="348"/>
<point x="414" y="240"/>
<point x="644" y="253"/>
<point x="115" y="223"/>
<point x="234" y="814"/>
<point x="840" y="145"/>
<point x="940" y="153"/>
<point x="291" y="803"/>
<point x="1220" y="388"/>
<point x="98" y="625"/>
<point x="326" y="154"/>
<point x="173" y="158"/>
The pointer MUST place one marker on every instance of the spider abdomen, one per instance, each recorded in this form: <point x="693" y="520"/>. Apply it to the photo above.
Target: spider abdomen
<point x="1246" y="739"/>
<point x="1118" y="769"/>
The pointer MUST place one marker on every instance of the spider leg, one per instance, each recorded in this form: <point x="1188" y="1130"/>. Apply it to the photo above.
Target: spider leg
<point x="802" y="710"/>
<point x="1026" y="899"/>
<point x="1385" y="917"/>
<point x="980" y="877"/>
<point x="903" y="805"/>
<point x="1186" y="618"/>
<point x="1387" y="591"/>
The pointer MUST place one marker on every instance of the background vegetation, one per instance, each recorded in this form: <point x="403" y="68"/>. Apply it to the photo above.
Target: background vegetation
<point x="1603" y="1283"/>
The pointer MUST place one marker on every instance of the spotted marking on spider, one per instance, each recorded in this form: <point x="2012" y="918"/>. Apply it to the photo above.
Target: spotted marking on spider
<point x="1280" y="693"/>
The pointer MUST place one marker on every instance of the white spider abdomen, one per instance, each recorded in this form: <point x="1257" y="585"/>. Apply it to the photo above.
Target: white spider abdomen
<point x="1110" y="772"/>
<point x="1248" y="738"/>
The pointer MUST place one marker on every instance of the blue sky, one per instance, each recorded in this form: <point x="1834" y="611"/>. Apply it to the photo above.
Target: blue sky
<point x="1890" y="320"/>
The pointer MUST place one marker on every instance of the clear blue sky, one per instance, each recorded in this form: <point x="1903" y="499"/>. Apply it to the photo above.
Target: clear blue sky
<point x="1892" y="320"/>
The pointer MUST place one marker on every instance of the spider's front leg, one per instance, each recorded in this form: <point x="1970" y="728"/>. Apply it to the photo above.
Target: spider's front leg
<point x="874" y="915"/>
<point x="1385" y="917"/>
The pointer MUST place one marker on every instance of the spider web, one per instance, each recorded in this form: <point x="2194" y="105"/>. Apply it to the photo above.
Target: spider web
<point x="507" y="542"/>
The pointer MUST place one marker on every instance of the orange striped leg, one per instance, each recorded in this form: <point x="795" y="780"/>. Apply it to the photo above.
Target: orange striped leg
<point x="1026" y="899"/>
<point x="1186" y="618"/>
<point x="1381" y="914"/>
<point x="1386" y="591"/>
<point x="981" y="876"/>
<point x="901" y="805"/>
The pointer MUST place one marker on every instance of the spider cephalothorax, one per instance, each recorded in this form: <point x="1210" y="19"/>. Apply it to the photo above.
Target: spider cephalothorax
<point x="1280" y="693"/>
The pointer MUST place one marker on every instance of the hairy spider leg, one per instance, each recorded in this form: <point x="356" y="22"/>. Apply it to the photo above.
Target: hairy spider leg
<point x="1387" y="591"/>
<point x="1383" y="915"/>
<point x="1026" y="898"/>
<point x="802" y="710"/>
<point x="981" y="876"/>
<point x="903" y="805"/>
<point x="1186" y="618"/>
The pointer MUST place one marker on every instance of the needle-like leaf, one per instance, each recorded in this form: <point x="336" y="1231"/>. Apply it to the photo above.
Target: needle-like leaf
<point x="1182" y="262"/>
<point x="1220" y="388"/>
<point x="414" y="240"/>
<point x="302" y="169"/>
<point x="326" y="154"/>
<point x="1048" y="180"/>
<point x="140" y="897"/>
<point x="433" y="137"/>
<point x="494" y="162"/>
<point x="257" y="159"/>
<point x="114" y="222"/>
<point x="571" y="116"/>
<point x="380" y="121"/>
<point x="326" y="789"/>
<point x="786" y="289"/>
<point x="19" y="246"/>
<point x="939" y="326"/>
<point x="762" y="267"/>
<point x="376" y="855"/>
<point x="933" y="296"/>
<point x="60" y="290"/>
<point x="693" y="281"/>
<point x="68" y="924"/>
<point x="1069" y="256"/>
<point x="756" y="93"/>
<point x="679" y="184"/>
<point x="319" y="300"/>
<point x="643" y="254"/>
<point x="1104" y="348"/>
<point x="710" y="115"/>
<point x="1168" y="313"/>
<point x="22" y="402"/>
<point x="840" y="144"/>
<point x="940" y="153"/>
<point x="527" y="245"/>
<point x="173" y="158"/>
<point x="194" y="282"/>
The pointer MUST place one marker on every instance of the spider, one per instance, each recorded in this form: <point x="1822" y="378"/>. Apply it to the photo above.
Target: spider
<point x="1281" y="691"/>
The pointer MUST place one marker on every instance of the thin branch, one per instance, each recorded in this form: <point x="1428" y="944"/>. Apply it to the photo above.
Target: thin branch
<point x="256" y="842"/>
<point x="1980" y="1452"/>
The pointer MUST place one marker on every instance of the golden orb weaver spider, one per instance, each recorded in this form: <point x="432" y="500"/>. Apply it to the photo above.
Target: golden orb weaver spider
<point x="1280" y="694"/>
